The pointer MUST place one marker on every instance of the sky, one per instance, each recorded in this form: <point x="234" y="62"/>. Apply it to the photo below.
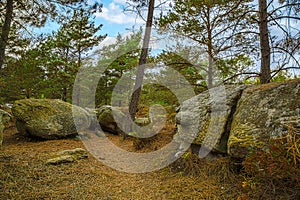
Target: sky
<point x="115" y="20"/>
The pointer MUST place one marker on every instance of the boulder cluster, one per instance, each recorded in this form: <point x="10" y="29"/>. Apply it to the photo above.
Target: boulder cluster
<point x="230" y="120"/>
<point x="235" y="120"/>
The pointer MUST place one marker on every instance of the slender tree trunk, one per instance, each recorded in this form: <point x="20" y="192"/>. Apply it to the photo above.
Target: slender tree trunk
<point x="5" y="30"/>
<point x="64" y="94"/>
<point x="78" y="78"/>
<point x="209" y="51"/>
<point x="265" y="69"/>
<point x="65" y="90"/>
<point x="106" y="91"/>
<point x="210" y="71"/>
<point x="142" y="61"/>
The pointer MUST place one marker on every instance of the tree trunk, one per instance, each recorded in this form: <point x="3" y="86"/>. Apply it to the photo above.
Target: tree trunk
<point x="210" y="71"/>
<point x="265" y="68"/>
<point x="78" y="89"/>
<point x="5" y="30"/>
<point x="64" y="94"/>
<point x="209" y="50"/>
<point x="142" y="61"/>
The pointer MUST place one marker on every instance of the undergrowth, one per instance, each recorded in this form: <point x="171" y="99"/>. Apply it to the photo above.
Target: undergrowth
<point x="274" y="173"/>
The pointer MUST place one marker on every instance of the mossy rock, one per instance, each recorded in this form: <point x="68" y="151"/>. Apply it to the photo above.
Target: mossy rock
<point x="67" y="156"/>
<point x="49" y="118"/>
<point x="4" y="119"/>
<point x="106" y="118"/>
<point x="264" y="112"/>
<point x="205" y="119"/>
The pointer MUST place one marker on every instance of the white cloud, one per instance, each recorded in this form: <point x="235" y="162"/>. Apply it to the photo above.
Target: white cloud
<point x="112" y="40"/>
<point x="114" y="14"/>
<point x="123" y="2"/>
<point x="107" y="41"/>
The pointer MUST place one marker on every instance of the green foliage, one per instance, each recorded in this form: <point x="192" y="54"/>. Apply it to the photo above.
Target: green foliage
<point x="213" y="24"/>
<point x="117" y="60"/>
<point x="49" y="64"/>
<point x="65" y="51"/>
<point x="232" y="69"/>
<point x="38" y="12"/>
<point x="17" y="42"/>
<point x="282" y="76"/>
<point x="192" y="73"/>
<point x="157" y="94"/>
<point x="23" y="77"/>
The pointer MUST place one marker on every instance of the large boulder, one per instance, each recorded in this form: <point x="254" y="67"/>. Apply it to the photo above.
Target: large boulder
<point x="204" y="120"/>
<point x="106" y="119"/>
<point x="264" y="112"/>
<point x="49" y="118"/>
<point x="239" y="119"/>
<point x="4" y="119"/>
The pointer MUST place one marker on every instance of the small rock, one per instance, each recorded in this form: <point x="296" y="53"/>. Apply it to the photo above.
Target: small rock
<point x="60" y="160"/>
<point x="68" y="156"/>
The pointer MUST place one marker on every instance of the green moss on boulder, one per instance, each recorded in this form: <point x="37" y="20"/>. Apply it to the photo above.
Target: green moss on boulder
<point x="106" y="117"/>
<point x="4" y="119"/>
<point x="203" y="120"/>
<point x="49" y="118"/>
<point x="264" y="112"/>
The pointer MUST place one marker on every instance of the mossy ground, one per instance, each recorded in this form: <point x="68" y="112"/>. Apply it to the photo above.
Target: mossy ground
<point x="24" y="174"/>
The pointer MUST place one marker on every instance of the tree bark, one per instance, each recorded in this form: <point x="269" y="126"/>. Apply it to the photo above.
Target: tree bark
<point x="210" y="71"/>
<point x="133" y="106"/>
<point x="265" y="68"/>
<point x="5" y="30"/>
<point x="209" y="50"/>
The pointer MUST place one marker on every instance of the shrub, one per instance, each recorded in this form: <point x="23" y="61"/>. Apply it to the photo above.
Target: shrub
<point x="275" y="171"/>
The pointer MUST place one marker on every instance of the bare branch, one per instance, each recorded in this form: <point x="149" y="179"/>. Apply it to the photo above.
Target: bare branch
<point x="242" y="73"/>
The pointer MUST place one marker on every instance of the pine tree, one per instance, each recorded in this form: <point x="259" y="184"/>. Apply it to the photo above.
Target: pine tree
<point x="216" y="26"/>
<point x="118" y="59"/>
<point x="271" y="15"/>
<point x="68" y="47"/>
<point x="27" y="13"/>
<point x="133" y="106"/>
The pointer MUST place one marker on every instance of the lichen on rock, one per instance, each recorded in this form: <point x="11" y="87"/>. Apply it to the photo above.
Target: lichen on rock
<point x="203" y="119"/>
<point x="67" y="156"/>
<point x="264" y="112"/>
<point x="106" y="118"/>
<point x="245" y="120"/>
<point x="49" y="118"/>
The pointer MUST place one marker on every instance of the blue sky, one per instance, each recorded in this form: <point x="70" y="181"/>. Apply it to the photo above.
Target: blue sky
<point x="114" y="19"/>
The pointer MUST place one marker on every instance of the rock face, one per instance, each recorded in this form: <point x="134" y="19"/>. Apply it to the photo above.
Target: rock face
<point x="48" y="118"/>
<point x="264" y="112"/>
<point x="105" y="115"/>
<point x="4" y="118"/>
<point x="241" y="119"/>
<point x="204" y="119"/>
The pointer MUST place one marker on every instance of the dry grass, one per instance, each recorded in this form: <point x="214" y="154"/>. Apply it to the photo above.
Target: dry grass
<point x="269" y="86"/>
<point x="24" y="174"/>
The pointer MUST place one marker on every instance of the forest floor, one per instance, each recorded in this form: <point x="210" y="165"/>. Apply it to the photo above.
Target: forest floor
<point x="24" y="174"/>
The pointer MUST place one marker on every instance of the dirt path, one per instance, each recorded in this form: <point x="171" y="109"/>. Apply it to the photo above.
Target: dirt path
<point x="24" y="175"/>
